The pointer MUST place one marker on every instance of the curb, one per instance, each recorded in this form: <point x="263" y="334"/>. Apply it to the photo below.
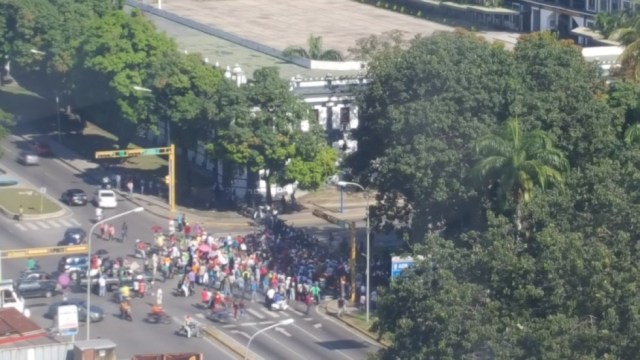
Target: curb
<point x="352" y="326"/>
<point x="226" y="341"/>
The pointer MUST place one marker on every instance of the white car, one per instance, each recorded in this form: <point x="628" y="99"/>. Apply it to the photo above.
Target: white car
<point x="105" y="199"/>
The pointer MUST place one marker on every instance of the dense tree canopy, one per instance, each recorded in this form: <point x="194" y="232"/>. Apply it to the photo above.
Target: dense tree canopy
<point x="112" y="67"/>
<point x="564" y="291"/>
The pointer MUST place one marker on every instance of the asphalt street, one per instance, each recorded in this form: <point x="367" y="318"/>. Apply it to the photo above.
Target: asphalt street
<point x="312" y="336"/>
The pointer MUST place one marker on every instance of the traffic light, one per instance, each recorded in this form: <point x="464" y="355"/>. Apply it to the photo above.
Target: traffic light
<point x="167" y="180"/>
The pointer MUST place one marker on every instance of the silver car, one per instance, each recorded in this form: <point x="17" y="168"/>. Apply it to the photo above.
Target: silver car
<point x="27" y="158"/>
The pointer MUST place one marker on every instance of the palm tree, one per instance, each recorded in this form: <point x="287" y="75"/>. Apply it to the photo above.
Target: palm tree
<point x="516" y="162"/>
<point x="632" y="134"/>
<point x="315" y="51"/>
<point x="627" y="32"/>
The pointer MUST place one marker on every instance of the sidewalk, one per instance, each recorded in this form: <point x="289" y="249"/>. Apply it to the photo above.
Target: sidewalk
<point x="326" y="200"/>
<point x="351" y="318"/>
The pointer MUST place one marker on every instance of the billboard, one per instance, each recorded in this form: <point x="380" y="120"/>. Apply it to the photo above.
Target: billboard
<point x="68" y="320"/>
<point x="399" y="263"/>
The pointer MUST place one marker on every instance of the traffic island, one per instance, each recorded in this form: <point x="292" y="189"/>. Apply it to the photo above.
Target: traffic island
<point x="35" y="204"/>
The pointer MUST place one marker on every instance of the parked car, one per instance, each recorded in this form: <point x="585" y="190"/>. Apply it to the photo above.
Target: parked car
<point x="105" y="198"/>
<point x="74" y="197"/>
<point x="30" y="288"/>
<point x="73" y="236"/>
<point x="96" y="313"/>
<point x="28" y="159"/>
<point x="41" y="149"/>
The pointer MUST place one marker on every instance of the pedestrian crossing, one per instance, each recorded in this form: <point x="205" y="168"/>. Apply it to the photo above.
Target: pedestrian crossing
<point x="256" y="317"/>
<point x="47" y="224"/>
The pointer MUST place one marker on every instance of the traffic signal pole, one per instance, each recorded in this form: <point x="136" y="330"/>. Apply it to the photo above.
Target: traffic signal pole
<point x="169" y="150"/>
<point x="172" y="178"/>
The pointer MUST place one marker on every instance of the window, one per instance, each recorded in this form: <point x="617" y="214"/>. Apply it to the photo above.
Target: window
<point x="316" y="115"/>
<point x="615" y="5"/>
<point x="604" y="5"/>
<point x="591" y="5"/>
<point x="626" y="4"/>
<point x="345" y="115"/>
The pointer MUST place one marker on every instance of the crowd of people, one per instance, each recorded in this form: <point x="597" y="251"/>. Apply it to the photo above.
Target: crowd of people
<point x="278" y="261"/>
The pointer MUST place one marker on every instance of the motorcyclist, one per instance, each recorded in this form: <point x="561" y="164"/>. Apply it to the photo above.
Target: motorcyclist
<point x="125" y="310"/>
<point x="98" y="214"/>
<point x="157" y="312"/>
<point x="141" y="248"/>
<point x="125" y="293"/>
<point x="188" y="324"/>
<point x="32" y="264"/>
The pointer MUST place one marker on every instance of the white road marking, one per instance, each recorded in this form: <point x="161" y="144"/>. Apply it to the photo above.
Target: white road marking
<point x="273" y="314"/>
<point x="66" y="223"/>
<point x="255" y="313"/>
<point x="317" y="326"/>
<point x="297" y="311"/>
<point x="76" y="222"/>
<point x="320" y="340"/>
<point x="241" y="333"/>
<point x="248" y="324"/>
<point x="31" y="226"/>
<point x="227" y="326"/>
<point x="265" y="322"/>
<point x="308" y="319"/>
<point x="53" y="223"/>
<point x="200" y="315"/>
<point x="43" y="224"/>
<point x="283" y="332"/>
<point x="21" y="227"/>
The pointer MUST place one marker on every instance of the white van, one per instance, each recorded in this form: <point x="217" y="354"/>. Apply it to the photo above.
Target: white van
<point x="10" y="299"/>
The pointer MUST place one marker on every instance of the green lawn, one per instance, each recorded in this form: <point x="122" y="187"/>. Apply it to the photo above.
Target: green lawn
<point x="30" y="199"/>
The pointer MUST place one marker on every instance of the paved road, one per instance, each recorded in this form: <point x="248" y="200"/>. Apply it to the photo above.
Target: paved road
<point x="311" y="336"/>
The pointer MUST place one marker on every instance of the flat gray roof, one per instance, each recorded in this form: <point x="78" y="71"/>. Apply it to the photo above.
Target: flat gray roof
<point x="227" y="53"/>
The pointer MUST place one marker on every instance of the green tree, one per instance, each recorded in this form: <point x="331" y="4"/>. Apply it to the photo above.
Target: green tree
<point x="183" y="89"/>
<point x="628" y="34"/>
<point x="419" y="117"/>
<point x="313" y="160"/>
<point x="314" y="51"/>
<point x="514" y="162"/>
<point x="115" y="56"/>
<point x="264" y="138"/>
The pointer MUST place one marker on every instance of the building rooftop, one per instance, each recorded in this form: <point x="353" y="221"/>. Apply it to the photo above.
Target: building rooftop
<point x="227" y="53"/>
<point x="270" y="26"/>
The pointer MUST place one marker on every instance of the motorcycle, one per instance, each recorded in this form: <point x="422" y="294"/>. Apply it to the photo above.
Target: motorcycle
<point x="279" y="305"/>
<point x="158" y="318"/>
<point x="125" y="311"/>
<point x="195" y="331"/>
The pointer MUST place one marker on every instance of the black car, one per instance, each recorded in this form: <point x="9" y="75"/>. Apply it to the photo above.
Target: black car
<point x="36" y="275"/>
<point x="96" y="314"/>
<point x="73" y="236"/>
<point x="36" y="288"/>
<point x="74" y="197"/>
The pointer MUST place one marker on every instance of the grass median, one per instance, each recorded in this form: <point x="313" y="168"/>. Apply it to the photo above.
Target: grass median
<point x="31" y="200"/>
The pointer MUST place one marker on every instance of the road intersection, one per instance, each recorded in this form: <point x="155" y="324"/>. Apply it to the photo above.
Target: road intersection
<point x="311" y="336"/>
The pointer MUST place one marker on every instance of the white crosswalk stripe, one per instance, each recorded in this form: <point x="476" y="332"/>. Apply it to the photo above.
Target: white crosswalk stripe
<point x="43" y="225"/>
<point x="255" y="313"/>
<point x="273" y="314"/>
<point x="53" y="223"/>
<point x="31" y="226"/>
<point x="46" y="224"/>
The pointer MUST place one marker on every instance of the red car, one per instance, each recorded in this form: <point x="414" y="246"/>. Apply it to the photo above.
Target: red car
<point x="41" y="149"/>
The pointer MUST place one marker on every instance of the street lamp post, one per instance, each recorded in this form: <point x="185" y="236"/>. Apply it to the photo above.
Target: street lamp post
<point x="58" y="117"/>
<point x="281" y="323"/>
<point x="93" y="228"/>
<point x="342" y="184"/>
